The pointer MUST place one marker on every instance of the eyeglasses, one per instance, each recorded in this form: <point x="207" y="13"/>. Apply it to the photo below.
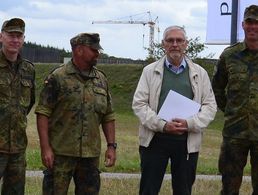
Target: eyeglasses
<point x="178" y="41"/>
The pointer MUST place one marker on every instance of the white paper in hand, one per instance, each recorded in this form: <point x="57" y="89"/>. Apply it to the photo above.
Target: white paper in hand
<point x="178" y="106"/>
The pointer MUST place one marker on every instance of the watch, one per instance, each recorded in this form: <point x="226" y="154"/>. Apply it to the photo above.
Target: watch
<point x="114" y="145"/>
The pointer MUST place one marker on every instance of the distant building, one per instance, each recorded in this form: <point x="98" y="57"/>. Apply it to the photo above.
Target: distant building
<point x="66" y="59"/>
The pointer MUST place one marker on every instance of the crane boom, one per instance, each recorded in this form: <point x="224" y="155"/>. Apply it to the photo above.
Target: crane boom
<point x="119" y="22"/>
<point x="131" y="21"/>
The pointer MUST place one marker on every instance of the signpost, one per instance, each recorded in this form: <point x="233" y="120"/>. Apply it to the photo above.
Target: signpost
<point x="224" y="23"/>
<point x="234" y="13"/>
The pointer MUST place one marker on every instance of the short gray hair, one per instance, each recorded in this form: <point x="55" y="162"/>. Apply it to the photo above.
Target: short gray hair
<point x="175" y="27"/>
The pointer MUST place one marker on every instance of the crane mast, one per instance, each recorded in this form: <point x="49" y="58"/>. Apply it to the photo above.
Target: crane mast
<point x="150" y="22"/>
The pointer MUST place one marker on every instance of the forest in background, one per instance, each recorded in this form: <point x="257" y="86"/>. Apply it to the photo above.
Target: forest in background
<point x="47" y="54"/>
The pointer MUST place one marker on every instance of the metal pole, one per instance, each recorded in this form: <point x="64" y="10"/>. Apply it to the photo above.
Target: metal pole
<point x="234" y="13"/>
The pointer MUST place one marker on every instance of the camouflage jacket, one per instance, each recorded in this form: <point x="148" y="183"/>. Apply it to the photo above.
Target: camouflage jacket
<point x="17" y="96"/>
<point x="75" y="107"/>
<point x="235" y="84"/>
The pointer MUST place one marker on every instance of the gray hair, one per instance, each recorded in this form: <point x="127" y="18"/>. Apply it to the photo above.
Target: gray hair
<point x="170" y="28"/>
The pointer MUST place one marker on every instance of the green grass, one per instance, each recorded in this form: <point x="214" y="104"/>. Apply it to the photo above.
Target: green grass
<point x="122" y="82"/>
<point x="42" y="70"/>
<point x="131" y="187"/>
<point x="127" y="151"/>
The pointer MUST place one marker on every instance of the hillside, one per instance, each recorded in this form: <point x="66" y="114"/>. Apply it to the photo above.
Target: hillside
<point x="123" y="80"/>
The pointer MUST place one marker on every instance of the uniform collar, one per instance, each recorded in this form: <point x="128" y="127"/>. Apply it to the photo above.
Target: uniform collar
<point x="4" y="61"/>
<point x="71" y="69"/>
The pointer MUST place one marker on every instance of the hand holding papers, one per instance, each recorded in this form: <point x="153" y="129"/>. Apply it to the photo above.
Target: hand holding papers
<point x="178" y="106"/>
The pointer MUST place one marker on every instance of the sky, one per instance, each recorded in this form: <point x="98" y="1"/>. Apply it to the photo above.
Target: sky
<point x="55" y="22"/>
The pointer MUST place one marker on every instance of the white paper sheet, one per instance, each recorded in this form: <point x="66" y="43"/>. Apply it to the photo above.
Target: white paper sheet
<point x="178" y="106"/>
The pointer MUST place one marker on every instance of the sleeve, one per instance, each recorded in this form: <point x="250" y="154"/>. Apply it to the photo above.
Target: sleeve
<point x="219" y="82"/>
<point x="141" y="106"/>
<point x="208" y="106"/>
<point x="33" y="95"/>
<point x="109" y="116"/>
<point x="48" y="96"/>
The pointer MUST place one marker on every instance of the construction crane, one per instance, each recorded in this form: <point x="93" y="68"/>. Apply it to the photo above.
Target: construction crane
<point x="152" y="25"/>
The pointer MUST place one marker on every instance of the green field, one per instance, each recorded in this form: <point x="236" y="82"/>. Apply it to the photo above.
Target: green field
<point x="122" y="82"/>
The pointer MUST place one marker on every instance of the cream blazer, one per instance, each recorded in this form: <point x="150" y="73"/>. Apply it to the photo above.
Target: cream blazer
<point x="146" y="98"/>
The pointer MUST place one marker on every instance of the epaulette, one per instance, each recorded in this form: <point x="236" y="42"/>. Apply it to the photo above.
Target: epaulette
<point x="235" y="44"/>
<point x="53" y="69"/>
<point x="28" y="61"/>
<point x="50" y="73"/>
<point x="233" y="48"/>
<point x="98" y="70"/>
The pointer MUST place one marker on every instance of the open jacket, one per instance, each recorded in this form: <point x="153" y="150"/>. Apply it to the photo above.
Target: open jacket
<point x="146" y="98"/>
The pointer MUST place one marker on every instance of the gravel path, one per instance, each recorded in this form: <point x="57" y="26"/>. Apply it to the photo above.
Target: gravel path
<point x="135" y="175"/>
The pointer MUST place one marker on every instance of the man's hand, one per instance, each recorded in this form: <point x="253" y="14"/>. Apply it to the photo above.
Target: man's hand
<point x="176" y="126"/>
<point x="47" y="157"/>
<point x="110" y="157"/>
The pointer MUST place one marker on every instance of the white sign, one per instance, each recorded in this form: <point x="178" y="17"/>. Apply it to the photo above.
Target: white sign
<point x="219" y="20"/>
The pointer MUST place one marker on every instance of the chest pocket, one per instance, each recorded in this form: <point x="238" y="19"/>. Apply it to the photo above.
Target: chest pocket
<point x="100" y="102"/>
<point x="25" y="92"/>
<point x="238" y="77"/>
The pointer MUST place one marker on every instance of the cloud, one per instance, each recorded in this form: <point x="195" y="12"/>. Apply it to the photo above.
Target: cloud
<point x="54" y="22"/>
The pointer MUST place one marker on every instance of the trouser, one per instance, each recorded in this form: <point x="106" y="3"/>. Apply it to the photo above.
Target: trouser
<point x="84" y="172"/>
<point x="48" y="183"/>
<point x="12" y="170"/>
<point x="232" y="160"/>
<point x="154" y="160"/>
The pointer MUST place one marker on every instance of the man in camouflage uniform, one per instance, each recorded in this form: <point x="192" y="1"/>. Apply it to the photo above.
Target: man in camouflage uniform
<point x="74" y="102"/>
<point x="16" y="99"/>
<point x="235" y="85"/>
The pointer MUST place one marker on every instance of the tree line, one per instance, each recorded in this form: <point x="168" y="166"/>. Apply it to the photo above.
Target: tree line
<point x="43" y="54"/>
<point x="47" y="54"/>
